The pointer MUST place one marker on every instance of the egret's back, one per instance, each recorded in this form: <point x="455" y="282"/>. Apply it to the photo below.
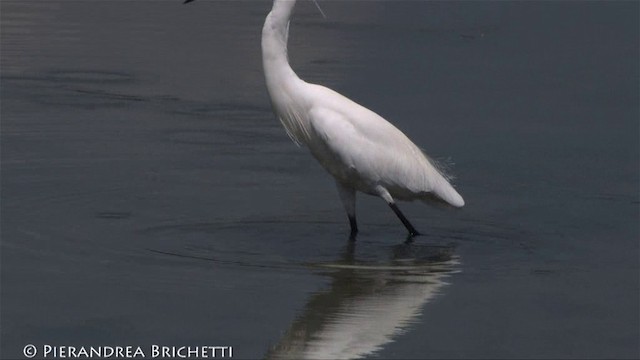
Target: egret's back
<point x="360" y="147"/>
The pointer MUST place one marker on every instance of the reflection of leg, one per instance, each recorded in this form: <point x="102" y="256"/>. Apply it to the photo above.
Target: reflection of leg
<point x="349" y="252"/>
<point x="354" y="227"/>
<point x="348" y="197"/>
<point x="387" y="197"/>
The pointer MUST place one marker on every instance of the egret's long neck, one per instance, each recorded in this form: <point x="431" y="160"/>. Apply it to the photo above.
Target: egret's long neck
<point x="284" y="86"/>
<point x="274" y="45"/>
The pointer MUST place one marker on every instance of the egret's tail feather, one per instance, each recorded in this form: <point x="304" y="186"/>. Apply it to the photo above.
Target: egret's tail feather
<point x="442" y="188"/>
<point x="443" y="166"/>
<point x="444" y="197"/>
<point x="453" y="198"/>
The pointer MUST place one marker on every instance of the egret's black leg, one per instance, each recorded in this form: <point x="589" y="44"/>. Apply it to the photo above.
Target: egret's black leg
<point x="348" y="198"/>
<point x="354" y="228"/>
<point x="412" y="231"/>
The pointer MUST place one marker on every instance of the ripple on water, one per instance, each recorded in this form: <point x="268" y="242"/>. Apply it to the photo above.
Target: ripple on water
<point x="88" y="76"/>
<point x="113" y="215"/>
<point x="64" y="76"/>
<point x="224" y="110"/>
<point x="291" y="245"/>
<point x="87" y="89"/>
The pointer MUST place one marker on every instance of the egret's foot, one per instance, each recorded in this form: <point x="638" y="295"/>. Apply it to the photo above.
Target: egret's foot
<point x="353" y="235"/>
<point x="411" y="236"/>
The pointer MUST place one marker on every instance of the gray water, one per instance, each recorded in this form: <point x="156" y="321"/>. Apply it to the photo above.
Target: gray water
<point x="149" y="196"/>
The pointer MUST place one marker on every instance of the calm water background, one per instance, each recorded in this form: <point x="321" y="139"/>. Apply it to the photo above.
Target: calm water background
<point x="150" y="197"/>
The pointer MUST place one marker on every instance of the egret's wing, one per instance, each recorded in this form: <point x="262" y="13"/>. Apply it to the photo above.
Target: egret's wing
<point x="337" y="136"/>
<point x="365" y="143"/>
<point x="368" y="151"/>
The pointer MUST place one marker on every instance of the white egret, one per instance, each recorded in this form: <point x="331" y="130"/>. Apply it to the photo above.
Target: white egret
<point x="360" y="149"/>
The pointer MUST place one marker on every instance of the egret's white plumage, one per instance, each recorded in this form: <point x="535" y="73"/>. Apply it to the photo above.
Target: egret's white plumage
<point x="362" y="151"/>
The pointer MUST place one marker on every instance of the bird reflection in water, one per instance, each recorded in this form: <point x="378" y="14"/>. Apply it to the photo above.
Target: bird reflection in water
<point x="367" y="305"/>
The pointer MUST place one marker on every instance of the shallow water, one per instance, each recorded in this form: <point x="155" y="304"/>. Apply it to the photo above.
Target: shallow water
<point x="150" y="197"/>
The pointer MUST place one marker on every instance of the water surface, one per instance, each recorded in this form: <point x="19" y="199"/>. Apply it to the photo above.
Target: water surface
<point x="150" y="197"/>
